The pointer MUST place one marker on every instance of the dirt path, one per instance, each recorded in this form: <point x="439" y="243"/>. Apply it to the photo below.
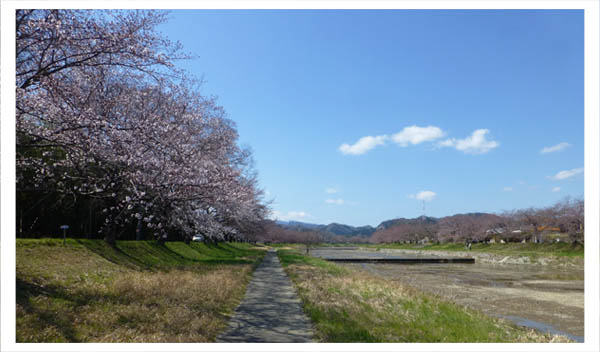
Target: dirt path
<point x="270" y="311"/>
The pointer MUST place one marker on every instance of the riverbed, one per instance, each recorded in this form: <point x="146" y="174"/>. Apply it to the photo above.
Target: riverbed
<point x="545" y="297"/>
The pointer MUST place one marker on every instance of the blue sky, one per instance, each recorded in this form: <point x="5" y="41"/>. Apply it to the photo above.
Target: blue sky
<point x="359" y="116"/>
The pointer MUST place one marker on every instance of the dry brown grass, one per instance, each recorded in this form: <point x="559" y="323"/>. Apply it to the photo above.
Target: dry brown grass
<point x="74" y="295"/>
<point x="176" y="306"/>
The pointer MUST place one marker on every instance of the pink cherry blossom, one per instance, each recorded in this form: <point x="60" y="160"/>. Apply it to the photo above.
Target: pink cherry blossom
<point x="103" y="113"/>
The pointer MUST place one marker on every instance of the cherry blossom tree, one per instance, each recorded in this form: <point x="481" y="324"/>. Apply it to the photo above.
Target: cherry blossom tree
<point x="569" y="217"/>
<point x="103" y="113"/>
<point x="532" y="219"/>
<point x="56" y="41"/>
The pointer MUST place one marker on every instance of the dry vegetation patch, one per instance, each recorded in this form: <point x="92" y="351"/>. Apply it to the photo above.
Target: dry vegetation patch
<point x="72" y="294"/>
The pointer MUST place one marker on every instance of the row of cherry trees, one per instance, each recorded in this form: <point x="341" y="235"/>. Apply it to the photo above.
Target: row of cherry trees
<point x="273" y="233"/>
<point x="107" y="125"/>
<point x="532" y="224"/>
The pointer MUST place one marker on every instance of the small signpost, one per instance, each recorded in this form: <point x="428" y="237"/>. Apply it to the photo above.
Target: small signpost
<point x="64" y="228"/>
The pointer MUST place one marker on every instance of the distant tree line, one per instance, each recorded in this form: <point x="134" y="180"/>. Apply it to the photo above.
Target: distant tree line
<point x="565" y="220"/>
<point x="274" y="233"/>
<point x="116" y="142"/>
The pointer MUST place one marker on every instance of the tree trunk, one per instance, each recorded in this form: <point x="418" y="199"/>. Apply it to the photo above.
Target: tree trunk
<point x="21" y="224"/>
<point x="139" y="235"/>
<point x="90" y="227"/>
<point x="109" y="237"/>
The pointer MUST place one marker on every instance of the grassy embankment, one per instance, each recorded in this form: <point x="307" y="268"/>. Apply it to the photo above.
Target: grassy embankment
<point x="139" y="291"/>
<point x="349" y="305"/>
<point x="531" y="250"/>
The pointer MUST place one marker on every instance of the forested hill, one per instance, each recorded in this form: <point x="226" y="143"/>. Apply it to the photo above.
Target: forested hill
<point x="367" y="230"/>
<point x="331" y="229"/>
<point x="403" y="221"/>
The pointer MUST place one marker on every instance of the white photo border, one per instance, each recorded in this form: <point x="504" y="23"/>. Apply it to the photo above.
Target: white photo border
<point x="591" y="181"/>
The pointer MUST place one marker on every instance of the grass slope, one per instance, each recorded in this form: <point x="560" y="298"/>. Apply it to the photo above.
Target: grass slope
<point x="349" y="305"/>
<point x="532" y="250"/>
<point x="139" y="291"/>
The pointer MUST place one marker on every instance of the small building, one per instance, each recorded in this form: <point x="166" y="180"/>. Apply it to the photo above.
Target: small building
<point x="424" y="240"/>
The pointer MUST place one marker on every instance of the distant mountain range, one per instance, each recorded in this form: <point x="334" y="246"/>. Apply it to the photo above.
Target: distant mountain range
<point x="366" y="231"/>
<point x="331" y="229"/>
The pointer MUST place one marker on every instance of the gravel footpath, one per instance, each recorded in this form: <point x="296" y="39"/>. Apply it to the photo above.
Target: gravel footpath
<point x="271" y="311"/>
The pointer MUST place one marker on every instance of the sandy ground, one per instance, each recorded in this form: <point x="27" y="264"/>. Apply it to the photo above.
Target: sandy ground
<point x="547" y="294"/>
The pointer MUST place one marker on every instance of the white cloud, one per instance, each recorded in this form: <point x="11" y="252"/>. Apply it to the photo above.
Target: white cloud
<point x="507" y="189"/>
<point x="415" y="135"/>
<point x="555" y="148"/>
<point x="338" y="201"/>
<point x="290" y="215"/>
<point x="423" y="195"/>
<point x="331" y="190"/>
<point x="556" y="189"/>
<point x="474" y="144"/>
<point x="566" y="174"/>
<point x="363" y="145"/>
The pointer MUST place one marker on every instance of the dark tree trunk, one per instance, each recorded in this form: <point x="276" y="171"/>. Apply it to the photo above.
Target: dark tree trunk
<point x="139" y="235"/>
<point x="21" y="224"/>
<point x="109" y="236"/>
<point x="90" y="224"/>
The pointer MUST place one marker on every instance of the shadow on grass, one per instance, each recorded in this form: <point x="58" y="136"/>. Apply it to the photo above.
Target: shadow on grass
<point x="112" y="254"/>
<point x="150" y="255"/>
<point x="53" y="311"/>
<point x="224" y="250"/>
<point x="53" y="314"/>
<point x="25" y="291"/>
<point x="62" y="309"/>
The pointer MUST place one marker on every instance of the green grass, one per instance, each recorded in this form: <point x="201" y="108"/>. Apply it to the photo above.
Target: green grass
<point x="290" y="257"/>
<point x="138" y="291"/>
<point x="560" y="249"/>
<point x="350" y="305"/>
